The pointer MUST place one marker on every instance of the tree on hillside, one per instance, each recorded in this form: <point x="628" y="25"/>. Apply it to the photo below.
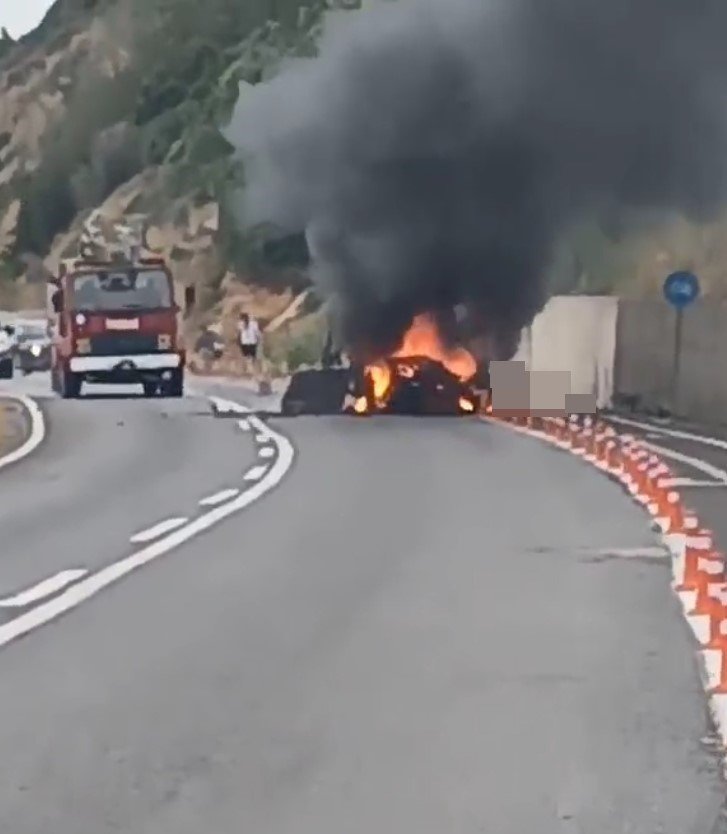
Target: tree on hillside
<point x="6" y="42"/>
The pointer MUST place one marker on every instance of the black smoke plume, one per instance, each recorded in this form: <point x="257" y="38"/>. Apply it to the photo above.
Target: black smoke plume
<point x="436" y="150"/>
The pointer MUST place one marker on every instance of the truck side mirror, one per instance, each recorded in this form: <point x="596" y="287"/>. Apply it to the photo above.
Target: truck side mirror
<point x="190" y="299"/>
<point x="57" y="301"/>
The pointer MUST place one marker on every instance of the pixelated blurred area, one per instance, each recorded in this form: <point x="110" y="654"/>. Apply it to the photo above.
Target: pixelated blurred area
<point x="517" y="391"/>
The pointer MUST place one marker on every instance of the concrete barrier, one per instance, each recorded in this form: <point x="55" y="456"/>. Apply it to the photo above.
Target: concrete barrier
<point x="645" y="354"/>
<point x="577" y="335"/>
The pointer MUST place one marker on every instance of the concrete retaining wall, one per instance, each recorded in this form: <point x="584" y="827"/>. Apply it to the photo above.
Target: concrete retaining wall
<point x="575" y="334"/>
<point x="626" y="347"/>
<point x="645" y="352"/>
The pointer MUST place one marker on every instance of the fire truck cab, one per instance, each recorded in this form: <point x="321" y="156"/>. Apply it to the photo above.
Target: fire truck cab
<point x="116" y="321"/>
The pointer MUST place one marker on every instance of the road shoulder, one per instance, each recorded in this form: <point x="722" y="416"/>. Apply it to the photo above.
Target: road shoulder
<point x="22" y="428"/>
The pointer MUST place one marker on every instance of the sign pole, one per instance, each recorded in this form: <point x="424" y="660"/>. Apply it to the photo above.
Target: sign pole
<point x="680" y="290"/>
<point x="674" y="399"/>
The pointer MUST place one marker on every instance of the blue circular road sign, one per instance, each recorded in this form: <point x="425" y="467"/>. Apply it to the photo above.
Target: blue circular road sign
<point x="681" y="289"/>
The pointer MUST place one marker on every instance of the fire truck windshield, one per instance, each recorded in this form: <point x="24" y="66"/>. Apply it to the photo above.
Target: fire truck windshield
<point x="127" y="289"/>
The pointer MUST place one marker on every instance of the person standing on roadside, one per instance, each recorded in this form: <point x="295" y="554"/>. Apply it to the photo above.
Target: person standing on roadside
<point x="249" y="336"/>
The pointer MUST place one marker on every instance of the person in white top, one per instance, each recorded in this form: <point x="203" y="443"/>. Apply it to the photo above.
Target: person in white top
<point x="249" y="335"/>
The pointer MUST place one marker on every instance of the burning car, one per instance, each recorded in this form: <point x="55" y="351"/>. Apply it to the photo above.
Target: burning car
<point x="423" y="376"/>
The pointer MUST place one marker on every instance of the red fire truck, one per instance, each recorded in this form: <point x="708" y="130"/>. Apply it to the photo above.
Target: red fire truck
<point x="116" y="321"/>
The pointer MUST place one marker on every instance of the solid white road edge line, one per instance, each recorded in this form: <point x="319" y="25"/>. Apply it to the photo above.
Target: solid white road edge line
<point x="696" y="463"/>
<point x="151" y="533"/>
<point x="91" y="585"/>
<point x="690" y="482"/>
<point x="219" y="497"/>
<point x="37" y="429"/>
<point x="681" y="435"/>
<point x="43" y="589"/>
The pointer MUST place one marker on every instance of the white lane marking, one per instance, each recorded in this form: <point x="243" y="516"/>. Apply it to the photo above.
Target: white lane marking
<point x="696" y="463"/>
<point x="261" y="438"/>
<point x="223" y="406"/>
<point x="681" y="435"/>
<point x="690" y="482"/>
<point x="244" y="425"/>
<point x="266" y="452"/>
<point x="255" y="473"/>
<point x="633" y="552"/>
<point x="219" y="497"/>
<point x="43" y="589"/>
<point x="157" y="530"/>
<point x="91" y="585"/>
<point x="37" y="429"/>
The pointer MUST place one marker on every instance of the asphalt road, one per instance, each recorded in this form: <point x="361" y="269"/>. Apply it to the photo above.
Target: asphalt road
<point x="425" y="626"/>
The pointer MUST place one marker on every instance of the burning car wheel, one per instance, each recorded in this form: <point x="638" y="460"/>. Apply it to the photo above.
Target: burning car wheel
<point x="6" y="368"/>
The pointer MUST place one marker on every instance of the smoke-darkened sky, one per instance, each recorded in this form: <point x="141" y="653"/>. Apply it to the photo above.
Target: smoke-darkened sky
<point x="437" y="149"/>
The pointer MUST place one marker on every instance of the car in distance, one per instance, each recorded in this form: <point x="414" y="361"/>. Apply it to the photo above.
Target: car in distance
<point x="32" y="346"/>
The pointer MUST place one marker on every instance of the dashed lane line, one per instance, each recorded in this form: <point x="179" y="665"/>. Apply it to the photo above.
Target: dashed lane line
<point x="43" y="589"/>
<point x="92" y="584"/>
<point x="219" y="497"/>
<point x="158" y="530"/>
<point x="255" y="473"/>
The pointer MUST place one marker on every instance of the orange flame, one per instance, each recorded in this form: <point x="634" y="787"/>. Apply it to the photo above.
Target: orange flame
<point x="360" y="405"/>
<point x="380" y="375"/>
<point x="466" y="405"/>
<point x="422" y="340"/>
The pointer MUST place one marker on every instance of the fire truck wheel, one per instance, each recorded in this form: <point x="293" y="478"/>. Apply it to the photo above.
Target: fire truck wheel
<point x="175" y="386"/>
<point x="70" y="385"/>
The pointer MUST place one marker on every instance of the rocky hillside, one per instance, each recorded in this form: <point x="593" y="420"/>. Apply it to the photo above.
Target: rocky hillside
<point x="114" y="108"/>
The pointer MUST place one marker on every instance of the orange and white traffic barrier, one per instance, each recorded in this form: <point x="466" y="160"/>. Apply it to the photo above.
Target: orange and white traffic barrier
<point x="716" y="609"/>
<point x="709" y="581"/>
<point x="674" y="520"/>
<point x="721" y="686"/>
<point x="599" y="448"/>
<point x="586" y="440"/>
<point x="595" y="438"/>
<point x="640" y="467"/>
<point x="664" y="486"/>
<point x="628" y="448"/>
<point x="564" y="428"/>
<point x="639" y="485"/>
<point x="659" y="476"/>
<point x="601" y="437"/>
<point x="645" y="487"/>
<point x="698" y="546"/>
<point x="633" y="456"/>
<point x="715" y="643"/>
<point x="575" y="435"/>
<point x="613" y="462"/>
